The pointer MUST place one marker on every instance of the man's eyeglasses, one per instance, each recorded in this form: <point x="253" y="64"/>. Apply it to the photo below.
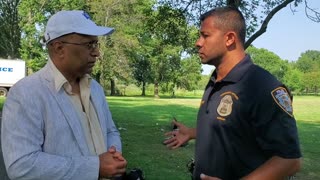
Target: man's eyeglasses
<point x="90" y="45"/>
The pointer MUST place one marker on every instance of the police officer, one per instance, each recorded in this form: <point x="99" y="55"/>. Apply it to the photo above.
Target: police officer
<point x="245" y="127"/>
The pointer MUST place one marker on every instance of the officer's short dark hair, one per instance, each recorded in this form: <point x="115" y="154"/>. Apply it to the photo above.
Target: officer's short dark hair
<point x="228" y="18"/>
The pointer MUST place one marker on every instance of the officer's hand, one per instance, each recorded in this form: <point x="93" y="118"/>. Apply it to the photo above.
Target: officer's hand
<point x="178" y="136"/>
<point x="112" y="163"/>
<point x="205" y="177"/>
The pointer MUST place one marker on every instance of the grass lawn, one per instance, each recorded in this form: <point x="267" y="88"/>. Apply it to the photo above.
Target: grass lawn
<point x="146" y="119"/>
<point x="307" y="114"/>
<point x="143" y="121"/>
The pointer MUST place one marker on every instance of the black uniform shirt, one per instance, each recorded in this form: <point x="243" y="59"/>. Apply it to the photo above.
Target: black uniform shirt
<point x="244" y="120"/>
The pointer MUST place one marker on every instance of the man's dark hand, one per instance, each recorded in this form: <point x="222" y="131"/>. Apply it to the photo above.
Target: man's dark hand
<point x="112" y="164"/>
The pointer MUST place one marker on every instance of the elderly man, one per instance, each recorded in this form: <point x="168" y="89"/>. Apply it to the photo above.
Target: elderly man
<point x="56" y="123"/>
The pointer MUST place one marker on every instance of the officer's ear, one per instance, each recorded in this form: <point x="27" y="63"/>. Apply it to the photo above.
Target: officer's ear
<point x="230" y="38"/>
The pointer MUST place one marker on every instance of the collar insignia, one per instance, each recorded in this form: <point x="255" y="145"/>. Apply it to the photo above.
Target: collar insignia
<point x="202" y="102"/>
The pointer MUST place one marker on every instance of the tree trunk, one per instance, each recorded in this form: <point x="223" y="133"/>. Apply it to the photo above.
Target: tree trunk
<point x="143" y="89"/>
<point x="156" y="89"/>
<point x="173" y="92"/>
<point x="113" y="87"/>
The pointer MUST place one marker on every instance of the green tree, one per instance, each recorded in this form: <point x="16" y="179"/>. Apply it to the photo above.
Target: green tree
<point x="309" y="61"/>
<point x="311" y="81"/>
<point x="10" y="30"/>
<point x="269" y="61"/>
<point x="203" y="81"/>
<point x="256" y="12"/>
<point x="165" y="63"/>
<point x="169" y="36"/>
<point x="309" y="64"/>
<point x="141" y="69"/>
<point x="116" y="50"/>
<point x="190" y="73"/>
<point x="293" y="79"/>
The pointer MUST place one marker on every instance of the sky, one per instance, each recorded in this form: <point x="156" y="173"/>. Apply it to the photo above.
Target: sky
<point x="289" y="34"/>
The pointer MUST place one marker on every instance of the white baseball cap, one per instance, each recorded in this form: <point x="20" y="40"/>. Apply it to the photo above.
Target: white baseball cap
<point x="75" y="21"/>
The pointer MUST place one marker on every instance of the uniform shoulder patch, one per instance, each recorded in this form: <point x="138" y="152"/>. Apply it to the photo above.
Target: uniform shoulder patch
<point x="282" y="98"/>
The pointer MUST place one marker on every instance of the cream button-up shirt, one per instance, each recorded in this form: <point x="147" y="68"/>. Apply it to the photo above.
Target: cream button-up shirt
<point x="85" y="109"/>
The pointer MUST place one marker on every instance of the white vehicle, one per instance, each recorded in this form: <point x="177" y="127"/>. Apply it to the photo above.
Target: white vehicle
<point x="11" y="71"/>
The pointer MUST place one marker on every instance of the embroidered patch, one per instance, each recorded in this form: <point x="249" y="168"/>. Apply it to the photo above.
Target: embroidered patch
<point x="86" y="15"/>
<point x="225" y="106"/>
<point x="282" y="98"/>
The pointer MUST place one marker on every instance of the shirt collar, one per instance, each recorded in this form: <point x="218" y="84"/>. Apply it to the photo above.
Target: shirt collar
<point x="236" y="72"/>
<point x="60" y="81"/>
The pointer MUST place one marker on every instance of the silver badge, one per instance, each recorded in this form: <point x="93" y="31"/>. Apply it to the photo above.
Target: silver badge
<point x="225" y="106"/>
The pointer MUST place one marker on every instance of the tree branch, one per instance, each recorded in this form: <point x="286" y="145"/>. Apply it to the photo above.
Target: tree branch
<point x="234" y="3"/>
<point x="186" y="8"/>
<point x="315" y="17"/>
<point x="265" y="23"/>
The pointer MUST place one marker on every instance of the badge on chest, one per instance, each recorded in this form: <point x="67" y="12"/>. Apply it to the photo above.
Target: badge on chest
<point x="225" y="107"/>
